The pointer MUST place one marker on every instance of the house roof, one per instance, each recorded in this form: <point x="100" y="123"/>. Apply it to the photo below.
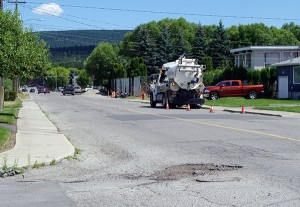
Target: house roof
<point x="265" y="48"/>
<point x="294" y="61"/>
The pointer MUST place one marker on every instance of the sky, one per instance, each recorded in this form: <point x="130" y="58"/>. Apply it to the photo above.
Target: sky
<point x="54" y="15"/>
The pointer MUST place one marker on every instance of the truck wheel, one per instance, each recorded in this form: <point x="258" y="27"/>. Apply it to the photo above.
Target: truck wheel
<point x="165" y="100"/>
<point x="252" y="94"/>
<point x="214" y="96"/>
<point x="172" y="106"/>
<point x="195" y="106"/>
<point x="152" y="103"/>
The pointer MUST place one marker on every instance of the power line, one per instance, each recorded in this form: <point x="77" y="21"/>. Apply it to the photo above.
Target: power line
<point x="175" y="13"/>
<point x="47" y="12"/>
<point x="80" y="18"/>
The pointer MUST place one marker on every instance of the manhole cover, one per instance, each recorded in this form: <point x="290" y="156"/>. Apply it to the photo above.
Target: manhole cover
<point x="190" y="170"/>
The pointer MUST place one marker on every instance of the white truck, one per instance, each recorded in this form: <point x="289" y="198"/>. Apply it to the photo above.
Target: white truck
<point x="178" y="83"/>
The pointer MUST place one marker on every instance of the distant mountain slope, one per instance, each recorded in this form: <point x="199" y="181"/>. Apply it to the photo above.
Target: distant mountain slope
<point x="70" y="48"/>
<point x="71" y="38"/>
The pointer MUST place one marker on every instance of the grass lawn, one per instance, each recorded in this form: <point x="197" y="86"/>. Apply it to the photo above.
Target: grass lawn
<point x="24" y="95"/>
<point x="259" y="103"/>
<point x="4" y="135"/>
<point x="10" y="111"/>
<point x="280" y="108"/>
<point x="8" y="115"/>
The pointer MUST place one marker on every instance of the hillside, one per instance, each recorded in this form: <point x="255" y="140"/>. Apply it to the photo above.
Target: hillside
<point x="71" y="38"/>
<point x="70" y="48"/>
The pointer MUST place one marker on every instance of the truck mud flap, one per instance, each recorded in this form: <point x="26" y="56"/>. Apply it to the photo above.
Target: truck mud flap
<point x="199" y="101"/>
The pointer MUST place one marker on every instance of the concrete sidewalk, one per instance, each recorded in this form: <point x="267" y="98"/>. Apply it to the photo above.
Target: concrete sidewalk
<point x="37" y="139"/>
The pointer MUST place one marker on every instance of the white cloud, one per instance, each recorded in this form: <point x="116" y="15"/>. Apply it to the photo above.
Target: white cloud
<point x="48" y="9"/>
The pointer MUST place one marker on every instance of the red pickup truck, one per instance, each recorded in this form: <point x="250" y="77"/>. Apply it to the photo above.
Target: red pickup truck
<point x="227" y="88"/>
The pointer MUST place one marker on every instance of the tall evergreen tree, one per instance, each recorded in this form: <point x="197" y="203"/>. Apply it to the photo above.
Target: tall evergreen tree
<point x="165" y="50"/>
<point x="219" y="47"/>
<point x="146" y="48"/>
<point x="199" y="49"/>
<point x="179" y="44"/>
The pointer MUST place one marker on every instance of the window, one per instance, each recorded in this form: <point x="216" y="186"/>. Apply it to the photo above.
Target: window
<point x="248" y="60"/>
<point x="241" y="60"/>
<point x="271" y="58"/>
<point x="227" y="84"/>
<point x="235" y="83"/>
<point x="297" y="75"/>
<point x="289" y="55"/>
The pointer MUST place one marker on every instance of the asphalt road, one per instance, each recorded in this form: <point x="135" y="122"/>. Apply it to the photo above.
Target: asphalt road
<point x="134" y="155"/>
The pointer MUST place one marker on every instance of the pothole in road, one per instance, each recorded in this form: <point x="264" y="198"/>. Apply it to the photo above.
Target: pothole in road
<point x="178" y="172"/>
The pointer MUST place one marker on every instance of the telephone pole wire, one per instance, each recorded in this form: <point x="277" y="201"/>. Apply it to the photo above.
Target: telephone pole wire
<point x="17" y="2"/>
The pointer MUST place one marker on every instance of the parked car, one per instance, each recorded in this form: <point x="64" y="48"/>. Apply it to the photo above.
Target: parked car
<point x="77" y="89"/>
<point x="41" y="89"/>
<point x="228" y="88"/>
<point x="46" y="90"/>
<point x="69" y="90"/>
<point x="61" y="89"/>
<point x="24" y="90"/>
<point x="32" y="90"/>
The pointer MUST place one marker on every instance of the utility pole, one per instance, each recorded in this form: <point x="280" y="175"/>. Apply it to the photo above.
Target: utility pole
<point x="17" y="2"/>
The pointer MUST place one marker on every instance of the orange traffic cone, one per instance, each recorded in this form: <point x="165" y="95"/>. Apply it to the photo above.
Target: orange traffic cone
<point x="243" y="110"/>
<point x="167" y="106"/>
<point x="211" y="110"/>
<point x="188" y="108"/>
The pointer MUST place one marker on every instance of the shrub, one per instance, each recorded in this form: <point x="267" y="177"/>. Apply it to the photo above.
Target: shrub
<point x="253" y="77"/>
<point x="12" y="96"/>
<point x="212" y="77"/>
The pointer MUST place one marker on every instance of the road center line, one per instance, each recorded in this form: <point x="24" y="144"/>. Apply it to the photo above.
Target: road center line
<point x="214" y="125"/>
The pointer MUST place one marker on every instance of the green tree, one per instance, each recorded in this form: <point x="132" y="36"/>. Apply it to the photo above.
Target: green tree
<point x="199" y="50"/>
<point x="182" y="35"/>
<point x="208" y="62"/>
<point x="146" y="48"/>
<point x="58" y="77"/>
<point x="101" y="62"/>
<point x="22" y="54"/>
<point x="84" y="79"/>
<point x="219" y="47"/>
<point x="137" y="67"/>
<point x="284" y="37"/>
<point x="166" y="51"/>
<point x="295" y="29"/>
<point x="119" y="71"/>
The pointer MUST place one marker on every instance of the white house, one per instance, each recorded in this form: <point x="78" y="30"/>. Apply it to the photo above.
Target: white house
<point x="258" y="57"/>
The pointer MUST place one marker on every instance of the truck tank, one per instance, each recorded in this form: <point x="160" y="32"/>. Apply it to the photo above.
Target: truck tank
<point x="178" y="83"/>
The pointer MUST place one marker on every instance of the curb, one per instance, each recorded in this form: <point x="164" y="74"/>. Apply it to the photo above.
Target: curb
<point x="226" y="110"/>
<point x="251" y="112"/>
